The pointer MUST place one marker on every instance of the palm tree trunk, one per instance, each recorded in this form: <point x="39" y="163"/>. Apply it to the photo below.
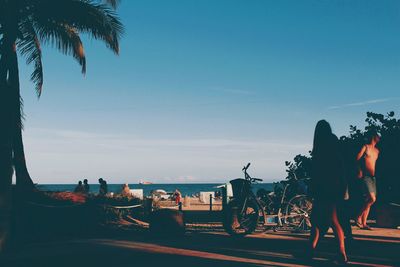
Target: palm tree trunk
<point x="6" y="170"/>
<point x="23" y="178"/>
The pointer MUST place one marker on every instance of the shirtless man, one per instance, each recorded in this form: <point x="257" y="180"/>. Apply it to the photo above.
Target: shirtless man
<point x="367" y="156"/>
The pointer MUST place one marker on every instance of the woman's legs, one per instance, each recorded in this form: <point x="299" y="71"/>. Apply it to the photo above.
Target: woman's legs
<point x="317" y="228"/>
<point x="314" y="237"/>
<point x="338" y="231"/>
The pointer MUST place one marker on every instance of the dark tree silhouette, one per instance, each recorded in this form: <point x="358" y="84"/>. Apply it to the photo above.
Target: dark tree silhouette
<point x="24" y="26"/>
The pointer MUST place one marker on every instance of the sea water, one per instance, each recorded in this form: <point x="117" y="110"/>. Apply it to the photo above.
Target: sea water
<point x="185" y="189"/>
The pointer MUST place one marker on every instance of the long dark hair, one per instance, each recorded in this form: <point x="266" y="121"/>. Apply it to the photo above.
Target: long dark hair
<point x="322" y="138"/>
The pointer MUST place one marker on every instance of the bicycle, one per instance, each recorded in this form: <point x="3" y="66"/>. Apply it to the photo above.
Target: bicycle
<point x="245" y="211"/>
<point x="293" y="213"/>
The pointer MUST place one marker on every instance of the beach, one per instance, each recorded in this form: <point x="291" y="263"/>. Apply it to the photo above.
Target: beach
<point x="214" y="133"/>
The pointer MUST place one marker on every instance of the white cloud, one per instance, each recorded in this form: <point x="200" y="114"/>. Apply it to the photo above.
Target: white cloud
<point x="232" y="91"/>
<point x="363" y="103"/>
<point x="64" y="156"/>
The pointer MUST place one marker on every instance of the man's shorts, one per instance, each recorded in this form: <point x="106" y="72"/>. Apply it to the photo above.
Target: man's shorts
<point x="369" y="184"/>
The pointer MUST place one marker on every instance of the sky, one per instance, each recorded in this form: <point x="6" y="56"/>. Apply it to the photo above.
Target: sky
<point x="200" y="88"/>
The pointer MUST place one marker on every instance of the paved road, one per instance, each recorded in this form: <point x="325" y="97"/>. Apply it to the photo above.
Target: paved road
<point x="380" y="247"/>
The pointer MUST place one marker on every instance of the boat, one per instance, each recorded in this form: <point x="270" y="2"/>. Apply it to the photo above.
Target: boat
<point x="144" y="182"/>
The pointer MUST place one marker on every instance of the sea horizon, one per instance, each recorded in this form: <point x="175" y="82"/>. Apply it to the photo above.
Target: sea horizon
<point x="187" y="189"/>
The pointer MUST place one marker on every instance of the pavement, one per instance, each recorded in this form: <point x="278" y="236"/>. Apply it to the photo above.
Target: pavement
<point x="204" y="247"/>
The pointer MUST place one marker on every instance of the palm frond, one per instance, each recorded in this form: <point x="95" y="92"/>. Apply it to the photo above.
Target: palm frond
<point x="98" y="20"/>
<point x="29" y="46"/>
<point x="64" y="38"/>
<point x="113" y="3"/>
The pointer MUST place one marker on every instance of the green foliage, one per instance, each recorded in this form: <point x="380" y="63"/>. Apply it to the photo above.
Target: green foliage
<point x="387" y="172"/>
<point x="297" y="171"/>
<point x="299" y="168"/>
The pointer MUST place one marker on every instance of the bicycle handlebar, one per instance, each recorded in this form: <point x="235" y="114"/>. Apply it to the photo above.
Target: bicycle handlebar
<point x="246" y="167"/>
<point x="257" y="179"/>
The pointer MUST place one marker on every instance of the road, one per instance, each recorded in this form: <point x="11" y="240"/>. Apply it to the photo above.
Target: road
<point x="380" y="247"/>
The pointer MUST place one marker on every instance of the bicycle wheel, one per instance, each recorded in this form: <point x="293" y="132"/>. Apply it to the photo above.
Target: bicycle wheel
<point x="239" y="220"/>
<point x="298" y="211"/>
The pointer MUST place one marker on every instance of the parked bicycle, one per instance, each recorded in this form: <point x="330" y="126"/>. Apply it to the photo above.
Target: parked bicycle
<point x="288" y="204"/>
<point x="244" y="211"/>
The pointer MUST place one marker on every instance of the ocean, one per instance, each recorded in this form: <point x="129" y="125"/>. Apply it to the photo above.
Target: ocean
<point x="185" y="189"/>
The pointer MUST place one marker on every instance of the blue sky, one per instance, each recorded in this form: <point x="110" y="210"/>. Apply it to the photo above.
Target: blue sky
<point x="202" y="87"/>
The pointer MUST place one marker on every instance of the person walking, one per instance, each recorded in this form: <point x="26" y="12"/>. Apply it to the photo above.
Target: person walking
<point x="327" y="188"/>
<point x="367" y="158"/>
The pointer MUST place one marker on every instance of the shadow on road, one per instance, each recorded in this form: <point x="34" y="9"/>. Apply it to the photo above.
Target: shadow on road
<point x="197" y="249"/>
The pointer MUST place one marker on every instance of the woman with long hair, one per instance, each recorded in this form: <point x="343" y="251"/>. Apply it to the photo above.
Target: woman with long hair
<point x="328" y="187"/>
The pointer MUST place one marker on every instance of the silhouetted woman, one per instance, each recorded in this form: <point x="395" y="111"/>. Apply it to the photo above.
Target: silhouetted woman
<point x="328" y="187"/>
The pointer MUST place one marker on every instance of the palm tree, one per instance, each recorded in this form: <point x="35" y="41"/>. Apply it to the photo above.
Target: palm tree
<point x="24" y="26"/>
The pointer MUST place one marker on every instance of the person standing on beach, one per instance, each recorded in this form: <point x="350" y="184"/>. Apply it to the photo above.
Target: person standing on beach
<point x="86" y="186"/>
<point x="103" y="187"/>
<point x="178" y="197"/>
<point x="327" y="188"/>
<point x="367" y="158"/>
<point x="79" y="188"/>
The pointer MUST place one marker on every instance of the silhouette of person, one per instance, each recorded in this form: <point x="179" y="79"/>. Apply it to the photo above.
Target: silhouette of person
<point x="79" y="188"/>
<point x="103" y="187"/>
<point x="86" y="186"/>
<point x="327" y="188"/>
<point x="345" y="208"/>
<point x="367" y="158"/>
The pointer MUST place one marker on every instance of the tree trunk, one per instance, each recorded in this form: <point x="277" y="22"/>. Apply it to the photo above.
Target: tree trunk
<point x="23" y="178"/>
<point x="6" y="170"/>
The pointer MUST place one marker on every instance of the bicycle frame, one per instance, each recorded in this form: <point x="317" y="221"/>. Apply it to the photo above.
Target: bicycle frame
<point x="250" y="194"/>
<point x="245" y="199"/>
<point x="279" y="215"/>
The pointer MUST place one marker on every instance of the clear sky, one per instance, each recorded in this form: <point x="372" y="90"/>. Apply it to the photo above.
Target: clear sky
<point x="203" y="87"/>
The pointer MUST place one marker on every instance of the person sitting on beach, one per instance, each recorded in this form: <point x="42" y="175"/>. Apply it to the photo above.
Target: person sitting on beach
<point x="126" y="191"/>
<point x="367" y="158"/>
<point x="103" y="187"/>
<point x="86" y="186"/>
<point x="79" y="188"/>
